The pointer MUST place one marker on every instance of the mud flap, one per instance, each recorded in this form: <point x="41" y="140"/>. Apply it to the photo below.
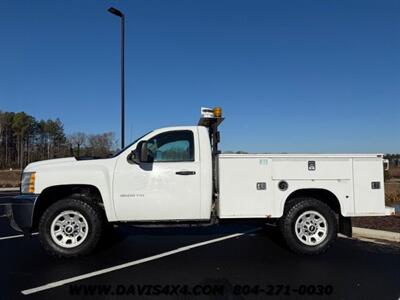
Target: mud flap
<point x="19" y="211"/>
<point x="345" y="226"/>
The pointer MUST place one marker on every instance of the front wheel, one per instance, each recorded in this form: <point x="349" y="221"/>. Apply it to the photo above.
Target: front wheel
<point x="308" y="226"/>
<point x="70" y="228"/>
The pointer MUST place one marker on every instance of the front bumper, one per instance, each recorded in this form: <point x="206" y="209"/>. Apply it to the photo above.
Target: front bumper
<point x="19" y="210"/>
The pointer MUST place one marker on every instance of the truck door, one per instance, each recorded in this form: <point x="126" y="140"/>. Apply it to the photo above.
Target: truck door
<point x="166" y="189"/>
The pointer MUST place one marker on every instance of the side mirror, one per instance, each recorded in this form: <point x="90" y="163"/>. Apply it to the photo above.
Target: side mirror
<point x="140" y="155"/>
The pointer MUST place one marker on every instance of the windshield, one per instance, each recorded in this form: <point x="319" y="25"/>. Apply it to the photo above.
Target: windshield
<point x="122" y="150"/>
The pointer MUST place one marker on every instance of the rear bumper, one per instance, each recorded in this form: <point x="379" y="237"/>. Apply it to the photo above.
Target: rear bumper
<point x="389" y="211"/>
<point x="19" y="210"/>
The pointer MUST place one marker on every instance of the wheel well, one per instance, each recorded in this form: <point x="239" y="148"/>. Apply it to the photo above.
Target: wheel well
<point x="320" y="194"/>
<point x="53" y="194"/>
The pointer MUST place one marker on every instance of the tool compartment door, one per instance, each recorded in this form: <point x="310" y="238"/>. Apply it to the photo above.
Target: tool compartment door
<point x="369" y="187"/>
<point x="245" y="187"/>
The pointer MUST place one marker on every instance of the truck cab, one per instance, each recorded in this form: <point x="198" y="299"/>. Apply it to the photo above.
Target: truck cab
<point x="173" y="181"/>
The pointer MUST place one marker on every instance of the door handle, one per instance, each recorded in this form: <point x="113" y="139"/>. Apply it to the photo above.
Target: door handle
<point x="185" y="173"/>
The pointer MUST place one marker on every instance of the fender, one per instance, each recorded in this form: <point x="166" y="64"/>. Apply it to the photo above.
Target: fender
<point x="97" y="173"/>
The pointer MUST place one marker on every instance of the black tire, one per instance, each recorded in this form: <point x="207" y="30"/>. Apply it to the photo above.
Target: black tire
<point x="287" y="224"/>
<point x="94" y="217"/>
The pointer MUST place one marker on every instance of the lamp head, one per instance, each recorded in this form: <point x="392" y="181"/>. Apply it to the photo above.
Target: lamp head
<point x="116" y="12"/>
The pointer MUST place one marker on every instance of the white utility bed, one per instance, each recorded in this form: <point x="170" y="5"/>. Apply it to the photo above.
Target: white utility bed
<point x="249" y="182"/>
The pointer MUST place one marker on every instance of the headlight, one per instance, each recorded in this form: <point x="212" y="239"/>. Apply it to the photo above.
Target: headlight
<point x="28" y="182"/>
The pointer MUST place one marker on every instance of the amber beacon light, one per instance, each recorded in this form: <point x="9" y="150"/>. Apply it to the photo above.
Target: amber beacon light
<point x="217" y="112"/>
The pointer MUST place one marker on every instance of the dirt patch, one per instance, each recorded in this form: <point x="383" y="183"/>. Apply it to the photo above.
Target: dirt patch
<point x="392" y="192"/>
<point x="394" y="172"/>
<point x="9" y="178"/>
<point x="389" y="223"/>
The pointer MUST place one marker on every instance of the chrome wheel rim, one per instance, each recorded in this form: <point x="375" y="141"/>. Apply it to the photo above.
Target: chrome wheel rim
<point x="311" y="228"/>
<point x="69" y="229"/>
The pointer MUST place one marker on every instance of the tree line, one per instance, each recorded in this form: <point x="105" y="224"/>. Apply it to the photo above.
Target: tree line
<point x="23" y="139"/>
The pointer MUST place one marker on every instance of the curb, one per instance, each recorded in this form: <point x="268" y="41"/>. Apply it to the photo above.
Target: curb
<point x="376" y="234"/>
<point x="11" y="189"/>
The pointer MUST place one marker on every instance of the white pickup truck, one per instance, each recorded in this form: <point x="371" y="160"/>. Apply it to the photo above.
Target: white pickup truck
<point x="177" y="175"/>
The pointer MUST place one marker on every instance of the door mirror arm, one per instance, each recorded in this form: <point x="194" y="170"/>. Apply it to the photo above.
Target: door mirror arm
<point x="140" y="154"/>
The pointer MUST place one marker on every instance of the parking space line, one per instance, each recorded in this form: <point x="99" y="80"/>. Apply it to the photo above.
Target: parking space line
<point x="132" y="263"/>
<point x="15" y="236"/>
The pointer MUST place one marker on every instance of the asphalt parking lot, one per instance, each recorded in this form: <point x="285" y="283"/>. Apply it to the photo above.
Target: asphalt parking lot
<point x="221" y="263"/>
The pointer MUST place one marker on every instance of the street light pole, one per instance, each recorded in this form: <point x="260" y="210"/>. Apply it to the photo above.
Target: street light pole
<point x="118" y="13"/>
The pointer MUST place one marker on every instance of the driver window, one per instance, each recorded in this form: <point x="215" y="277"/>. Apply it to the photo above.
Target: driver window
<point x="173" y="146"/>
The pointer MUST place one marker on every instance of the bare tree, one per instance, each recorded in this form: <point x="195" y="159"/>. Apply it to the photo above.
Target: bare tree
<point x="77" y="139"/>
<point x="101" y="145"/>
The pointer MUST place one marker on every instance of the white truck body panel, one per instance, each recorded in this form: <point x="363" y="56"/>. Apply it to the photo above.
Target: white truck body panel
<point x="347" y="176"/>
<point x="368" y="201"/>
<point x="69" y="171"/>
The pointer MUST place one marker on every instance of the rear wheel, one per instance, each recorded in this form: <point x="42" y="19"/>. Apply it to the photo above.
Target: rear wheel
<point x="308" y="226"/>
<point x="71" y="227"/>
